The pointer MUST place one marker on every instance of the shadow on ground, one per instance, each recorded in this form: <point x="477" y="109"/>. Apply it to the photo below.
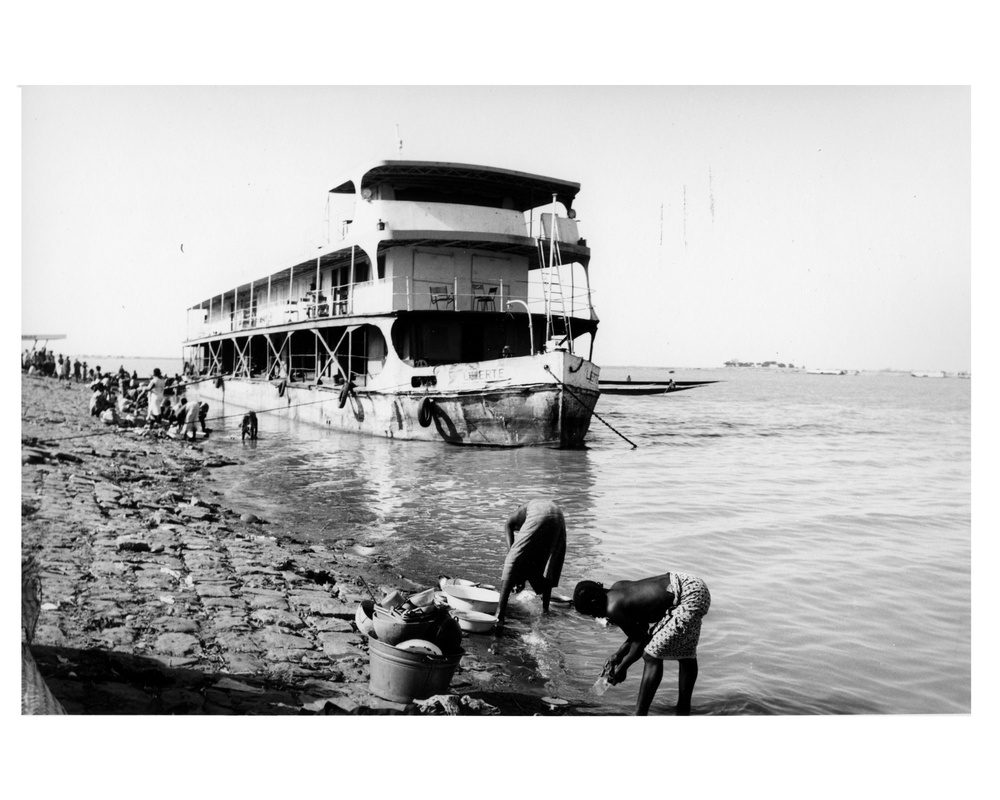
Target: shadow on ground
<point x="106" y="682"/>
<point x="99" y="682"/>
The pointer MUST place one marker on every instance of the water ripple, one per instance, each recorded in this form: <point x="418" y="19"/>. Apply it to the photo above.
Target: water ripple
<point x="830" y="518"/>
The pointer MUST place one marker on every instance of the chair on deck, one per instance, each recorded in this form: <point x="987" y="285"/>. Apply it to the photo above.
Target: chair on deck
<point x="483" y="300"/>
<point x="442" y="294"/>
<point x="340" y="301"/>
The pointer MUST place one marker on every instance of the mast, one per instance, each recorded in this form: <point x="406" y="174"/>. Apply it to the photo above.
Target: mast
<point x="548" y="294"/>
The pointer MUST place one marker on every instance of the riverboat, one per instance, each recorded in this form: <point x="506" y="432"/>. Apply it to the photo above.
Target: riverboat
<point x="453" y="304"/>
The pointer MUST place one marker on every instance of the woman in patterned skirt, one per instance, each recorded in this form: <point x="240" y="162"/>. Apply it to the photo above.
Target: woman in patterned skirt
<point x="673" y="604"/>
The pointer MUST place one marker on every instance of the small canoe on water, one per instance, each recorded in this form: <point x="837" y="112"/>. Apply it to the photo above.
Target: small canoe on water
<point x="649" y="387"/>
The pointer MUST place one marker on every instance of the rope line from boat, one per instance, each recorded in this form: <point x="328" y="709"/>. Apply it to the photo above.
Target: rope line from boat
<point x="174" y="386"/>
<point x="117" y="429"/>
<point x="574" y="394"/>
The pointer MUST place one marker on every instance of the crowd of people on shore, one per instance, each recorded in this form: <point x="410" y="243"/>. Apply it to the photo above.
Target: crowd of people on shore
<point x="157" y="405"/>
<point x="48" y="364"/>
<point x="160" y="405"/>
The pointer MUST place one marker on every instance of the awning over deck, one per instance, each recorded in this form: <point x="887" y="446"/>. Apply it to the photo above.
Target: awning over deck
<point x="443" y="178"/>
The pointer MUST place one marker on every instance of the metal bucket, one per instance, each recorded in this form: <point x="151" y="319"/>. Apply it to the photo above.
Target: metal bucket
<point x="403" y="676"/>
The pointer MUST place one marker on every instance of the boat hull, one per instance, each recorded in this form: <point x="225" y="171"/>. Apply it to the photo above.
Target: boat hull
<point x="555" y="413"/>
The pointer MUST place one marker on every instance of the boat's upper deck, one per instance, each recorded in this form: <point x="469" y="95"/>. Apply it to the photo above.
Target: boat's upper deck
<point x="423" y="235"/>
<point x="458" y="205"/>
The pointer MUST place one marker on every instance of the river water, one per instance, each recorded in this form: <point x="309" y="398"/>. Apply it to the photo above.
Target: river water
<point x="829" y="515"/>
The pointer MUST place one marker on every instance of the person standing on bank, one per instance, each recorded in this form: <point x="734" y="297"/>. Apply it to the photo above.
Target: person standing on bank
<point x="157" y="394"/>
<point x="673" y="604"/>
<point x="536" y="554"/>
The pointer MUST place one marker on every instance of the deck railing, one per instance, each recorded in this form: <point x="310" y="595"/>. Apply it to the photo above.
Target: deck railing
<point x="381" y="296"/>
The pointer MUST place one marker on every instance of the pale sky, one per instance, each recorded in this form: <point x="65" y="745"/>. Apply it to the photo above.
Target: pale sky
<point x="823" y="226"/>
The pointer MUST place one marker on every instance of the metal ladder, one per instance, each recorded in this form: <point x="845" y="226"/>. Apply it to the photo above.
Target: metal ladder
<point x="557" y="321"/>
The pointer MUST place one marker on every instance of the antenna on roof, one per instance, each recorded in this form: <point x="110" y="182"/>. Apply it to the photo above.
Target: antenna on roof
<point x="400" y="154"/>
<point x="326" y="218"/>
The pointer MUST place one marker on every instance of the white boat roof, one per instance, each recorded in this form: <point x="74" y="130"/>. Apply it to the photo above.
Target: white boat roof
<point x="525" y="190"/>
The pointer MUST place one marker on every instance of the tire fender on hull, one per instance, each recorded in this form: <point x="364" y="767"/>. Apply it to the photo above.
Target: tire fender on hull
<point x="426" y="413"/>
<point x="344" y="394"/>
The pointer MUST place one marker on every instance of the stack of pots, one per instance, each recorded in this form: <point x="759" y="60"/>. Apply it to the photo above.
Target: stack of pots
<point x="414" y="647"/>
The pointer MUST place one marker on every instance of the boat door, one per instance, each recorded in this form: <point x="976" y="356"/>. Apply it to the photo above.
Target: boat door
<point x="473" y="342"/>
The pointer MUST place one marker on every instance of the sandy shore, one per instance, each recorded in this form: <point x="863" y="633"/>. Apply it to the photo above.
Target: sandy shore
<point x="156" y="599"/>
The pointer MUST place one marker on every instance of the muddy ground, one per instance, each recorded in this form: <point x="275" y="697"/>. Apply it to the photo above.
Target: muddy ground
<point x="157" y="599"/>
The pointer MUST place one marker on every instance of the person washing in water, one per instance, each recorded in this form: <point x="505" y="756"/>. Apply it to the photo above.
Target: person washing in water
<point x="536" y="555"/>
<point x="673" y="604"/>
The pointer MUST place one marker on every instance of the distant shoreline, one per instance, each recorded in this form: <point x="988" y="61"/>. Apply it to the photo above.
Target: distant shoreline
<point x="131" y="358"/>
<point x="730" y="366"/>
<point x="776" y="368"/>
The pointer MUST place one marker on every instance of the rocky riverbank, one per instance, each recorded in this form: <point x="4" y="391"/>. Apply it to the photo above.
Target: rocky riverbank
<point x="157" y="599"/>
